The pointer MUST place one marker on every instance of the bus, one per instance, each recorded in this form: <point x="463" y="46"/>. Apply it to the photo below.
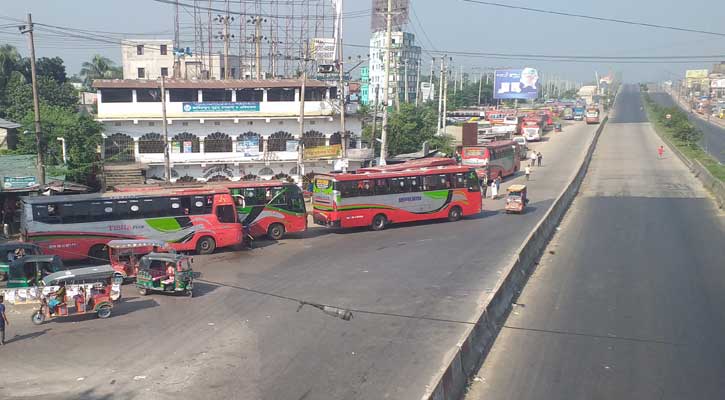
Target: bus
<point x="411" y="164"/>
<point x="493" y="159"/>
<point x="76" y="227"/>
<point x="271" y="208"/>
<point x="592" y="116"/>
<point x="377" y="199"/>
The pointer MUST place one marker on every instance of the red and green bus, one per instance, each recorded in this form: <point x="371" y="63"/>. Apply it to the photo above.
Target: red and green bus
<point x="270" y="208"/>
<point x="76" y="227"/>
<point x="492" y="159"/>
<point x="377" y="199"/>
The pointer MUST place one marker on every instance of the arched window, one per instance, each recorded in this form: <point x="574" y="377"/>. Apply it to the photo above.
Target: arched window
<point x="313" y="139"/>
<point x="353" y="141"/>
<point x="335" y="138"/>
<point x="218" y="142"/>
<point x="266" y="171"/>
<point x="118" y="147"/>
<point x="218" y="178"/>
<point x="185" y="142"/>
<point x="246" y="143"/>
<point x="251" y="177"/>
<point x="278" y="141"/>
<point x="293" y="171"/>
<point x="281" y="177"/>
<point x="151" y="143"/>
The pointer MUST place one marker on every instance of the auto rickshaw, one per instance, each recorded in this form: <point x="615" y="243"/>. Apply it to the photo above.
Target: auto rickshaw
<point x="125" y="255"/>
<point x="12" y="250"/>
<point x="30" y="270"/>
<point x="516" y="199"/>
<point x="92" y="290"/>
<point x="165" y="272"/>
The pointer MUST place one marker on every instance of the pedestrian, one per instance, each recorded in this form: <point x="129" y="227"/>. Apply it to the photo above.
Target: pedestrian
<point x="539" y="157"/>
<point x="527" y="171"/>
<point x="532" y="158"/>
<point x="498" y="184"/>
<point x="494" y="190"/>
<point x="3" y="321"/>
<point x="661" y="151"/>
<point x="484" y="186"/>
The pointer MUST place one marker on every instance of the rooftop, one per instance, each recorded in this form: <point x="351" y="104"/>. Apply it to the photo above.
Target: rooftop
<point x="205" y="84"/>
<point x="8" y="124"/>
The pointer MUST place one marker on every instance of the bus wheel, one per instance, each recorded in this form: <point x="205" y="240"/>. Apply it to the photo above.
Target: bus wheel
<point x="98" y="253"/>
<point x="454" y="214"/>
<point x="205" y="245"/>
<point x="379" y="222"/>
<point x="275" y="231"/>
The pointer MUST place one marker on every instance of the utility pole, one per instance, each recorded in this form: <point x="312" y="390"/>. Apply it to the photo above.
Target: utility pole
<point x="455" y="82"/>
<point x="40" y="166"/>
<point x="375" y="116"/>
<point x="225" y="36"/>
<point x="211" y="61"/>
<point x="341" y="93"/>
<point x="445" y="100"/>
<point x="164" y="124"/>
<point x="461" y="76"/>
<point x="386" y="84"/>
<point x="417" y="85"/>
<point x="405" y="83"/>
<point x="430" y="78"/>
<point x="440" y="96"/>
<point x="480" y="87"/>
<point x="258" y="46"/>
<point x="300" y="149"/>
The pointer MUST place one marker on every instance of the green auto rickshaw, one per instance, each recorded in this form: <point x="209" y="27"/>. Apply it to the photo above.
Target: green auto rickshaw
<point x="30" y="270"/>
<point x="165" y="272"/>
<point x="11" y="251"/>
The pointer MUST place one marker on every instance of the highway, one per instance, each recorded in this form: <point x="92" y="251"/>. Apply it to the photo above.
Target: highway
<point x="627" y="301"/>
<point x="713" y="140"/>
<point x="230" y="343"/>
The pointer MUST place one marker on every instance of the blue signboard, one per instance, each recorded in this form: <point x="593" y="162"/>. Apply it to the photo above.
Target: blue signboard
<point x="226" y="106"/>
<point x="516" y="84"/>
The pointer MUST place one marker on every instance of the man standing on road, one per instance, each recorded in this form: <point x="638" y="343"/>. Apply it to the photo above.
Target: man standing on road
<point x="3" y="321"/>
<point x="532" y="159"/>
<point x="527" y="171"/>
<point x="539" y="157"/>
<point x="484" y="186"/>
<point x="661" y="151"/>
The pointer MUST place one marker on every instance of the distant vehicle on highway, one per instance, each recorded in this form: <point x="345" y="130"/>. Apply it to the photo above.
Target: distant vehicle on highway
<point x="568" y="114"/>
<point x="492" y="160"/>
<point x="592" y="116"/>
<point x="377" y="199"/>
<point x="523" y="147"/>
<point x="532" y="131"/>
<point x="579" y="113"/>
<point x="76" y="227"/>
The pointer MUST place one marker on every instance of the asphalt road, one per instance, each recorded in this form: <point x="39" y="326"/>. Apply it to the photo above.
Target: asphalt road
<point x="627" y="300"/>
<point x="713" y="140"/>
<point x="230" y="343"/>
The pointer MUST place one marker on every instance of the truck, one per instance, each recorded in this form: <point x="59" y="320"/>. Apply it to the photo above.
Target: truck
<point x="578" y="113"/>
<point x="568" y="113"/>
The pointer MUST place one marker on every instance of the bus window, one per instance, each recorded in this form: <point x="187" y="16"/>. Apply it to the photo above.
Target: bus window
<point x="473" y="183"/>
<point x="297" y="201"/>
<point x="365" y="187"/>
<point x="414" y="183"/>
<point x="226" y="214"/>
<point x="279" y="197"/>
<point x="381" y="187"/>
<point x="397" y="185"/>
<point x="347" y="188"/>
<point x="436" y="182"/>
<point x="459" y="181"/>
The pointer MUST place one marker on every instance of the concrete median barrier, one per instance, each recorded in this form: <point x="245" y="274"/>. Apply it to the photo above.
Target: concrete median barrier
<point x="463" y="361"/>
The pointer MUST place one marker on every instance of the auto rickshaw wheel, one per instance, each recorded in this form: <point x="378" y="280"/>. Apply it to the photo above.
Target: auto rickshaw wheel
<point x="143" y="291"/>
<point x="3" y="276"/>
<point x="104" y="312"/>
<point x="37" y="317"/>
<point x="189" y="293"/>
<point x="454" y="214"/>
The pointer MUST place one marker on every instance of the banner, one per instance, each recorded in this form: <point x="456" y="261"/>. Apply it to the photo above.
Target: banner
<point x="323" y="50"/>
<point x="696" y="73"/>
<point x="516" y="84"/>
<point x="18" y="182"/>
<point x="321" y="152"/>
<point x="188" y="146"/>
<point x="249" y="146"/>
<point x="210" y="107"/>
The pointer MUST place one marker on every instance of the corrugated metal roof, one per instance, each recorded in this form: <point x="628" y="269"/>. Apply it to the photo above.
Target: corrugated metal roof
<point x="204" y="84"/>
<point x="8" y="124"/>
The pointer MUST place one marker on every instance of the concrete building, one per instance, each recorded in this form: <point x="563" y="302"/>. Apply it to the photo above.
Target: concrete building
<point x="153" y="58"/>
<point x="229" y="129"/>
<point x="404" y="62"/>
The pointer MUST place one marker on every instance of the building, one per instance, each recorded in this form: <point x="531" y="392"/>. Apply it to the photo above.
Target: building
<point x="8" y="134"/>
<point x="228" y="130"/>
<point x="364" y="85"/>
<point x="153" y="58"/>
<point x="403" y="63"/>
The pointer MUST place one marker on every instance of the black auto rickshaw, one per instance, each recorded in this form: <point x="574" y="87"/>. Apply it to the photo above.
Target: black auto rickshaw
<point x="11" y="251"/>
<point x="165" y="272"/>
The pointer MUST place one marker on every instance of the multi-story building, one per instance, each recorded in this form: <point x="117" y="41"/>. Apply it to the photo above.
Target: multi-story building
<point x="404" y="62"/>
<point x="228" y="129"/>
<point x="152" y="58"/>
<point x="364" y="85"/>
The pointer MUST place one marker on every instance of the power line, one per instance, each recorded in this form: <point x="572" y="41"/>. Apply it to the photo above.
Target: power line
<point x="619" y="21"/>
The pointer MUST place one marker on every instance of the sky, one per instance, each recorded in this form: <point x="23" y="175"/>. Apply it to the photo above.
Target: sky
<point x="444" y="25"/>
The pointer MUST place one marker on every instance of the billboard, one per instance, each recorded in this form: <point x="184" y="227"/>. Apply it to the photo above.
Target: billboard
<point x="516" y="84"/>
<point x="323" y="50"/>
<point x="717" y="83"/>
<point x="696" y="74"/>
<point x="322" y="152"/>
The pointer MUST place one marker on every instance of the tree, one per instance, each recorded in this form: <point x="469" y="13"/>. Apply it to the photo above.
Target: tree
<point x="410" y="127"/>
<point x="10" y="62"/>
<point x="50" y="67"/>
<point x="99" y="68"/>
<point x="19" y="95"/>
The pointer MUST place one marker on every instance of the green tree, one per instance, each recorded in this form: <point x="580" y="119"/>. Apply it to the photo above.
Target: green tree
<point x="99" y="68"/>
<point x="19" y="95"/>
<point x="10" y="63"/>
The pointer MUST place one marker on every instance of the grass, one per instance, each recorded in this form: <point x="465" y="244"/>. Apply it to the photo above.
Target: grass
<point x="689" y="150"/>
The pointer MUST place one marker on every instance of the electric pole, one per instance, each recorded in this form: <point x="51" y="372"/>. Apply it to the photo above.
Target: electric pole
<point x="164" y="124"/>
<point x="480" y="87"/>
<point x="455" y="82"/>
<point x="375" y="116"/>
<point x="257" y="21"/>
<point x="40" y="167"/>
<point x="417" y="84"/>
<point x="461" y="76"/>
<point x="445" y="100"/>
<point x="430" y="78"/>
<point x="405" y="82"/>
<point x="225" y="36"/>
<point x="300" y="149"/>
<point x="388" y="43"/>
<point x="440" y="96"/>
<point x="341" y="93"/>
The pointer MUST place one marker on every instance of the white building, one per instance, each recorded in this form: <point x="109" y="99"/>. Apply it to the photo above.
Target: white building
<point x="227" y="130"/>
<point x="405" y="56"/>
<point x="152" y="58"/>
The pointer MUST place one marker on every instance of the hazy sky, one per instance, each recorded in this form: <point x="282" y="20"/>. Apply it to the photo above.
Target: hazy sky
<point x="450" y="25"/>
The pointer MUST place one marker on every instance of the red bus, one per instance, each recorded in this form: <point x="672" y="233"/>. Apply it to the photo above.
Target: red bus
<point x="76" y="227"/>
<point x="412" y="164"/>
<point x="270" y="208"/>
<point x="493" y="159"/>
<point x="377" y="199"/>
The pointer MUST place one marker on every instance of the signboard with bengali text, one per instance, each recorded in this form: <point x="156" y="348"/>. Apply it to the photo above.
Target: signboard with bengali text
<point x="322" y="152"/>
<point x="18" y="182"/>
<point x="221" y="107"/>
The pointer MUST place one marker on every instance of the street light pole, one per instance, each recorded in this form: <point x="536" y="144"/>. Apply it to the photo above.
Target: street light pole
<point x="164" y="124"/>
<point x="40" y="167"/>
<point x="388" y="50"/>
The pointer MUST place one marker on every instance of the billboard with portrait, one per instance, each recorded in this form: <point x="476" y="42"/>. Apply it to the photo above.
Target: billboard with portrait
<point x="516" y="84"/>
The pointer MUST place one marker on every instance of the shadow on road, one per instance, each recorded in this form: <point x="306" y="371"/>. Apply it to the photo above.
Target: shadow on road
<point x="33" y="335"/>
